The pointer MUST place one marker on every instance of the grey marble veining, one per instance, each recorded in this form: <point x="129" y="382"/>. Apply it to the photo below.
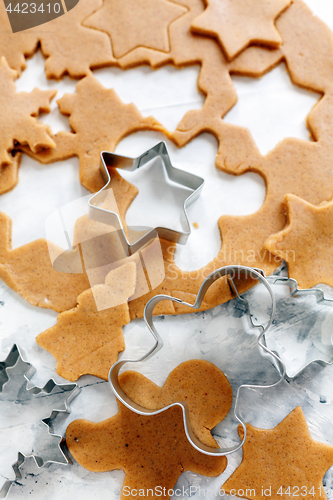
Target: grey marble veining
<point x="222" y="336"/>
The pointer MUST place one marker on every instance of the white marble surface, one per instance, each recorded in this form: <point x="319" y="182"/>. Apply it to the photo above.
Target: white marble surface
<point x="220" y="335"/>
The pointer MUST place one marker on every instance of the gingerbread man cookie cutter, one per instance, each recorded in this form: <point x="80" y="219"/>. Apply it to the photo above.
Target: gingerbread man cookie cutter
<point x="229" y="272"/>
<point x="178" y="176"/>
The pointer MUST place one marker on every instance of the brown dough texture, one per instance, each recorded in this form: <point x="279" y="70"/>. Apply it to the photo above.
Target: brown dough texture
<point x="214" y="81"/>
<point x="238" y="23"/>
<point x="99" y="121"/>
<point x="100" y="245"/>
<point x="15" y="47"/>
<point x="306" y="242"/>
<point x="136" y="23"/>
<point x="286" y="456"/>
<point x="299" y="167"/>
<point x="19" y="124"/>
<point x="68" y="46"/>
<point x="151" y="450"/>
<point x="294" y="166"/>
<point x="9" y="173"/>
<point x="199" y="383"/>
<point x="86" y="340"/>
<point x="29" y="272"/>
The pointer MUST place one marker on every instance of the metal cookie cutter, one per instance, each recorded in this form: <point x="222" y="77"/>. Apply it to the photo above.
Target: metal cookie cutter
<point x="188" y="180"/>
<point x="320" y="298"/>
<point x="19" y="394"/>
<point x="228" y="271"/>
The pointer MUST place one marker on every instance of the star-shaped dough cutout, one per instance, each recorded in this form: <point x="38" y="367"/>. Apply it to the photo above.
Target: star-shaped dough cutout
<point x="19" y="110"/>
<point x="238" y="23"/>
<point x="282" y="457"/>
<point x="136" y="23"/>
<point x="153" y="451"/>
<point x="306" y="242"/>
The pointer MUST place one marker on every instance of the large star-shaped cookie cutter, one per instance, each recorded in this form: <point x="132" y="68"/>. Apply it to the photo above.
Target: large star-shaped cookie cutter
<point x="230" y="272"/>
<point x="185" y="179"/>
<point x="294" y="291"/>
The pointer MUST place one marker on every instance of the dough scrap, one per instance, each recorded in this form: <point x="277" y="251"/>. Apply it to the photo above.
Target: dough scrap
<point x="299" y="167"/>
<point x="99" y="121"/>
<point x="19" y="112"/>
<point x="307" y="47"/>
<point x="87" y="340"/>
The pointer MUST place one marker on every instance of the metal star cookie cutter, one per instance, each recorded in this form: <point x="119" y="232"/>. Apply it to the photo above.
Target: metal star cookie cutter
<point x="11" y="361"/>
<point x="185" y="179"/>
<point x="228" y="271"/>
<point x="294" y="290"/>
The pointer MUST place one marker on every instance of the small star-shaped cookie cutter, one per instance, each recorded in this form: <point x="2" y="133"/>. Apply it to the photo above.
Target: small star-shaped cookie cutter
<point x="72" y="391"/>
<point x="229" y="272"/>
<point x="185" y="179"/>
<point x="294" y="290"/>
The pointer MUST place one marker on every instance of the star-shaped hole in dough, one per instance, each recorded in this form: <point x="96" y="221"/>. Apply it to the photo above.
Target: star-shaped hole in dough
<point x="19" y="112"/>
<point x="135" y="23"/>
<point x="281" y="458"/>
<point x="152" y="450"/>
<point x="238" y="23"/>
<point x="306" y="242"/>
<point x="280" y="108"/>
<point x="295" y="166"/>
